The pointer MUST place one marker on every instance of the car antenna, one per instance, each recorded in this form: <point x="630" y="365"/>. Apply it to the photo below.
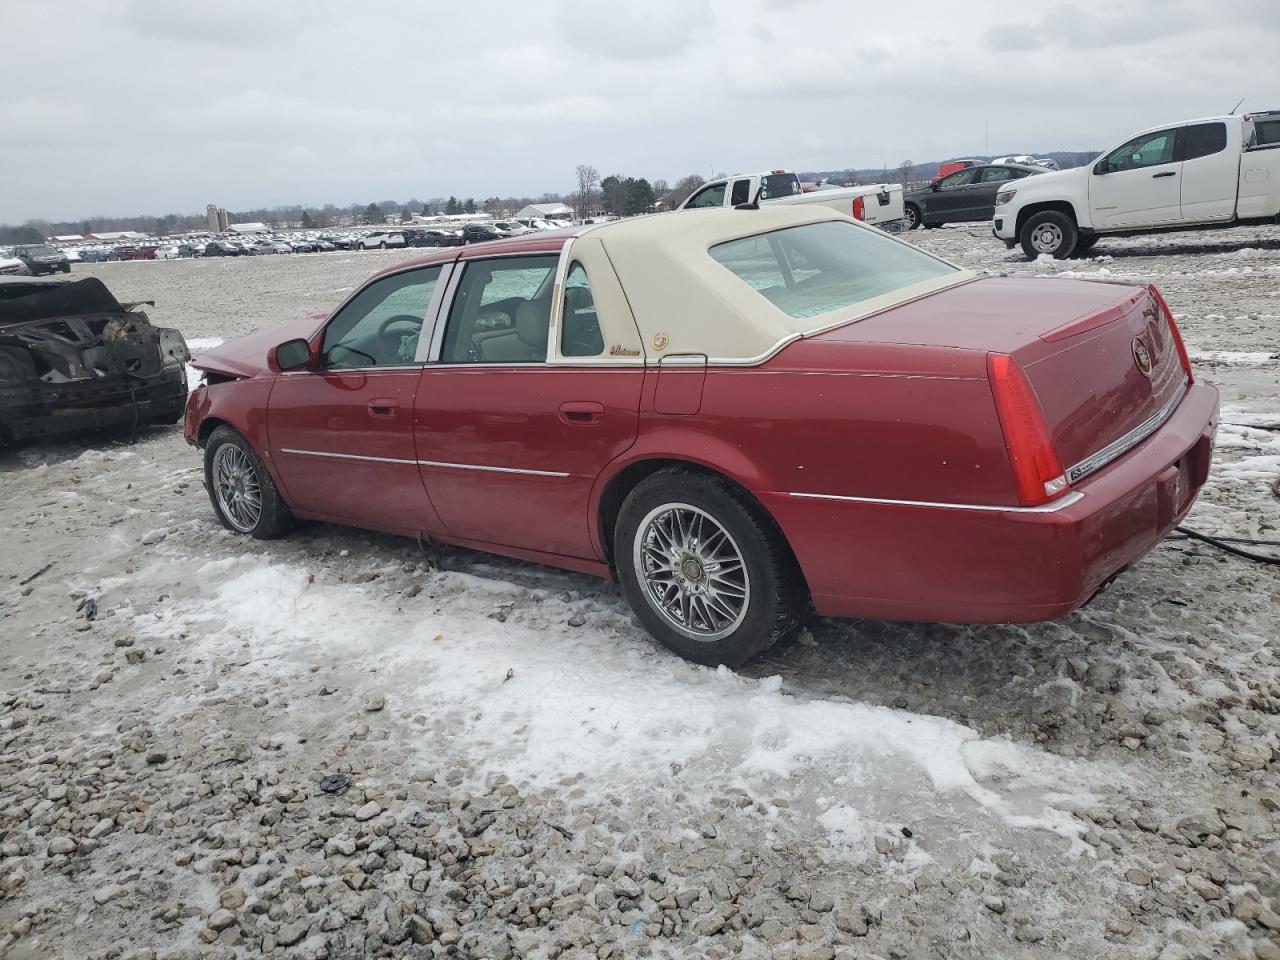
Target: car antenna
<point x="755" y="202"/>
<point x="1236" y="107"/>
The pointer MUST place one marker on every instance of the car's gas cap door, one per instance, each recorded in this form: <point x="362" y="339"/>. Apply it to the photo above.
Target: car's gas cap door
<point x="680" y="380"/>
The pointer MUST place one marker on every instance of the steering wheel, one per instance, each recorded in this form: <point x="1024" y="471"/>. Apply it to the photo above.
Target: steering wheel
<point x="389" y="345"/>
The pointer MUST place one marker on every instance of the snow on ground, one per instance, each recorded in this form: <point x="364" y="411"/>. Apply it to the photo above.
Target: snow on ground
<point x="342" y="743"/>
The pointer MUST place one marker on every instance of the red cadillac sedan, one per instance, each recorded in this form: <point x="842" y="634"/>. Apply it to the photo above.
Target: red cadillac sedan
<point x="736" y="414"/>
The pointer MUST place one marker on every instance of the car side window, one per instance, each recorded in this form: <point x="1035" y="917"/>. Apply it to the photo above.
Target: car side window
<point x="580" y="334"/>
<point x="712" y="196"/>
<point x="997" y="174"/>
<point x="741" y="192"/>
<point x="501" y="312"/>
<point x="1205" y="139"/>
<point x="1147" y="150"/>
<point x="380" y="325"/>
<point x="961" y="178"/>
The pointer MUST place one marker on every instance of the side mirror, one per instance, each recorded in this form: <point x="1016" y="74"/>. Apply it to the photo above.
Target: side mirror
<point x="1101" y="167"/>
<point x="290" y="355"/>
<point x="935" y="186"/>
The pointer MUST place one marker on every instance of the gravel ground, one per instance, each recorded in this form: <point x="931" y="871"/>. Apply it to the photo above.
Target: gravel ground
<point x="343" y="744"/>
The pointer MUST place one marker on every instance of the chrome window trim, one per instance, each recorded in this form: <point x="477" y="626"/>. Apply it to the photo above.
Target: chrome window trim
<point x="557" y="300"/>
<point x="432" y="319"/>
<point x="1074" y="497"/>
<point x="1117" y="448"/>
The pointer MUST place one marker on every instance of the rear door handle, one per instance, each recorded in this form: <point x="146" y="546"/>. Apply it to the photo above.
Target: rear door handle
<point x="384" y="407"/>
<point x="1167" y="173"/>
<point x="581" y="413"/>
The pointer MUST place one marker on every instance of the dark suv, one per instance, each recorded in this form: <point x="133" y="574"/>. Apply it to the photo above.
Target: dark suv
<point x="42" y="258"/>
<point x="479" y="233"/>
<point x="964" y="195"/>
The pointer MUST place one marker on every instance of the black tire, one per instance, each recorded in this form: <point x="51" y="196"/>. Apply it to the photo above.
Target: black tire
<point x="1084" y="245"/>
<point x="382" y="245"/>
<point x="911" y="213"/>
<point x="934" y="225"/>
<point x="66" y="268"/>
<point x="274" y="517"/>
<point x="775" y="594"/>
<point x="1049" y="233"/>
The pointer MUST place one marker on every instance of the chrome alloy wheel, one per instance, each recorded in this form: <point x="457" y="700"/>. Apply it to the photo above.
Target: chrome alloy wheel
<point x="235" y="483"/>
<point x="691" y="571"/>
<point x="1046" y="238"/>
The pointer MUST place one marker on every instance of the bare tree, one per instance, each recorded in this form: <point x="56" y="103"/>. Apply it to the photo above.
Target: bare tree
<point x="904" y="172"/>
<point x="683" y="188"/>
<point x="588" y="181"/>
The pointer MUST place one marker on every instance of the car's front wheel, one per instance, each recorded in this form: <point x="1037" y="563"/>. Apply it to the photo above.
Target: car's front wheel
<point x="912" y="215"/>
<point x="242" y="493"/>
<point x="706" y="571"/>
<point x="1049" y="233"/>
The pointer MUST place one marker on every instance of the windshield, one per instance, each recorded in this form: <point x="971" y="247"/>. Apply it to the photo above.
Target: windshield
<point x="40" y="250"/>
<point x="819" y="267"/>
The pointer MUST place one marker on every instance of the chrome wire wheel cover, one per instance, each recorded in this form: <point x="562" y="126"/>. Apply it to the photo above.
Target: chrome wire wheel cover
<point x="691" y="571"/>
<point x="912" y="216"/>
<point x="235" y="484"/>
<point x="1046" y="238"/>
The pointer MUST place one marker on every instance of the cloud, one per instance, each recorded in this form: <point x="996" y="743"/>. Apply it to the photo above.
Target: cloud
<point x="1005" y="37"/>
<point x="656" y="29"/>
<point x="231" y="23"/>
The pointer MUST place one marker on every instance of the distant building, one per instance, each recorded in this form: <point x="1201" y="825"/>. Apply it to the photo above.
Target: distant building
<point x="115" y="236"/>
<point x="217" y="219"/>
<point x="546" y="211"/>
<point x="244" y="227"/>
<point x="69" y="238"/>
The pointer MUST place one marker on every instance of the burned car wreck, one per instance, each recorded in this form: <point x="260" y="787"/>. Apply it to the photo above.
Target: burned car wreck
<point x="73" y="358"/>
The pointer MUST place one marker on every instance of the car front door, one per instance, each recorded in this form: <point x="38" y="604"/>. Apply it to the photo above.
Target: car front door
<point x="341" y="432"/>
<point x="1210" y="173"/>
<point x="1138" y="183"/>
<point x="953" y="196"/>
<point x="511" y="435"/>
<point x="709" y="196"/>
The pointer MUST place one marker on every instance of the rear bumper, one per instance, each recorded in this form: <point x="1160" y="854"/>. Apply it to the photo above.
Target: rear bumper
<point x="906" y="561"/>
<point x="75" y="407"/>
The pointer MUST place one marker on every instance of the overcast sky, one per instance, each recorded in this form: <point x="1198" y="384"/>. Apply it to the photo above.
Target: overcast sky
<point x="150" y="106"/>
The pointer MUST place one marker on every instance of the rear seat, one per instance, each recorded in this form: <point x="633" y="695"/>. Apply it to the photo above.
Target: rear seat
<point x="526" y="342"/>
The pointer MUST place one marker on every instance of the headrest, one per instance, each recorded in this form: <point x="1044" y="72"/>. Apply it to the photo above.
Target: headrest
<point x="533" y="317"/>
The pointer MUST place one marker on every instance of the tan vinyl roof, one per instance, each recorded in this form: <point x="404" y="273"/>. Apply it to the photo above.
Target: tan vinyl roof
<point x="684" y="302"/>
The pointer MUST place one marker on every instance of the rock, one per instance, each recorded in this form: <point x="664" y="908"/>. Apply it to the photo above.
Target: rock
<point x="108" y="892"/>
<point x="1119" y="927"/>
<point x="291" y="933"/>
<point x="1269" y="919"/>
<point x="1266" y="950"/>
<point x="368" y="811"/>
<point x="1028" y="934"/>
<point x="155" y="757"/>
<point x="820" y="902"/>
<point x="221" y="919"/>
<point x="345" y="846"/>
<point x="135" y="656"/>
<point x="1138" y="876"/>
<point x="626" y="887"/>
<point x="375" y="703"/>
<point x="231" y="899"/>
<point x="577" y="620"/>
<point x="850" y="922"/>
<point x="1206" y="888"/>
<point x="57" y="792"/>
<point x="153" y="537"/>
<point x="61" y="846"/>
<point x="418" y="930"/>
<point x="994" y="904"/>
<point x="1247" y="908"/>
<point x="709" y="925"/>
<point x="102" y="828"/>
<point x="809" y="932"/>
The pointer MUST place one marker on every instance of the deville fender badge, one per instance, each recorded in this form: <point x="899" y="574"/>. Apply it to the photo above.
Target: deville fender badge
<point x="659" y="341"/>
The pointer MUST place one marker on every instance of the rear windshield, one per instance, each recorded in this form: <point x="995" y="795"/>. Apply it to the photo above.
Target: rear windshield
<point x="780" y="185"/>
<point x="819" y="267"/>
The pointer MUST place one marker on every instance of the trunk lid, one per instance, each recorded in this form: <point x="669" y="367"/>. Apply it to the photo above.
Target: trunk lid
<point x="1078" y="343"/>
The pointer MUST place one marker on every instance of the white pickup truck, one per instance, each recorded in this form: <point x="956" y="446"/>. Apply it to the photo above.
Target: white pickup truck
<point x="879" y="204"/>
<point x="1218" y="172"/>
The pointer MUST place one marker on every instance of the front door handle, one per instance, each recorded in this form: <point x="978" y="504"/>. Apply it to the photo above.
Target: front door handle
<point x="581" y="413"/>
<point x="1167" y="173"/>
<point x="383" y="407"/>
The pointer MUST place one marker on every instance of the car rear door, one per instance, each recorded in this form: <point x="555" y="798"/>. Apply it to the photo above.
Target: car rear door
<point x="1138" y="183"/>
<point x="341" y="434"/>
<point x="993" y="179"/>
<point x="1210" y="171"/>
<point x="533" y="391"/>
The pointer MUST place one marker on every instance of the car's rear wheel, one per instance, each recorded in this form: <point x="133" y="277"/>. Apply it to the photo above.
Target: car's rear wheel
<point x="1049" y="233"/>
<point x="705" y="570"/>
<point x="911" y="214"/>
<point x="240" y="489"/>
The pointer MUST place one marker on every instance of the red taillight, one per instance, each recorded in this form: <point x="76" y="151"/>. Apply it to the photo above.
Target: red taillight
<point x="1036" y="468"/>
<point x="859" y="208"/>
<point x="1173" y="329"/>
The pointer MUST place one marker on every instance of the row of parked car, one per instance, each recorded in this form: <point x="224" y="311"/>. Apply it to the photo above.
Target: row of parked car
<point x="37" y="259"/>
